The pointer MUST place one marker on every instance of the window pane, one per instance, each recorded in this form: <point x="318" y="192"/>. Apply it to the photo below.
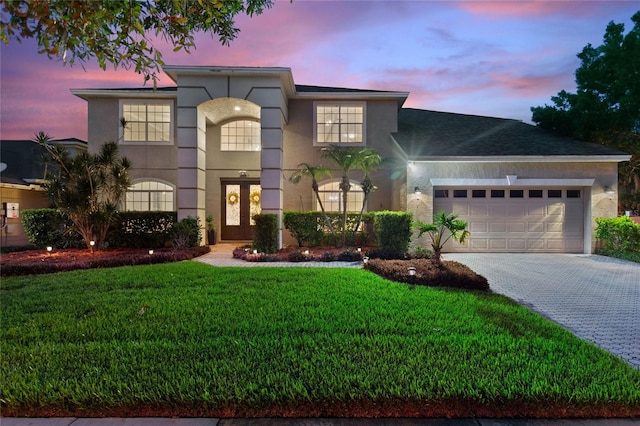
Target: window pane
<point x="459" y="193"/>
<point x="441" y="193"/>
<point x="339" y="123"/>
<point x="147" y="122"/>
<point x="149" y="196"/>
<point x="535" y="193"/>
<point x="479" y="193"/>
<point x="516" y="193"/>
<point x="331" y="197"/>
<point x="573" y="193"/>
<point x="554" y="193"/>
<point x="240" y="135"/>
<point x="497" y="193"/>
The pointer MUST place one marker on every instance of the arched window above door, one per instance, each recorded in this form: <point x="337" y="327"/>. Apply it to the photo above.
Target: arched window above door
<point x="240" y="135"/>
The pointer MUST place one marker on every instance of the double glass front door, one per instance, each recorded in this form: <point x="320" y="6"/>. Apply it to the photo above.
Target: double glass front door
<point x="240" y="201"/>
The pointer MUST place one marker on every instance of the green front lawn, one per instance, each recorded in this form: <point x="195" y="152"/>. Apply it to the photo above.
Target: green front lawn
<point x="289" y="341"/>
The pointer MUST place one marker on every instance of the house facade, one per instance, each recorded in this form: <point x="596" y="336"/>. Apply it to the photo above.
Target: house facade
<point x="22" y="172"/>
<point x="224" y="141"/>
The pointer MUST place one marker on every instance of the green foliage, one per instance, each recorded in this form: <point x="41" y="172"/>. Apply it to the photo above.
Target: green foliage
<point x="189" y="335"/>
<point x="444" y="227"/>
<point x="41" y="226"/>
<point x="393" y="230"/>
<point x="630" y="255"/>
<point x="122" y="33"/>
<point x="618" y="233"/>
<point x="87" y="188"/>
<point x="142" y="229"/>
<point x="211" y="225"/>
<point x="186" y="233"/>
<point x="304" y="227"/>
<point x="266" y="237"/>
<point x="606" y="107"/>
<point x="46" y="227"/>
<point x="313" y="228"/>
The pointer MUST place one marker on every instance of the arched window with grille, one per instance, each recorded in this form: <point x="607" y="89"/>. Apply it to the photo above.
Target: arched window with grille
<point x="331" y="197"/>
<point x="149" y="195"/>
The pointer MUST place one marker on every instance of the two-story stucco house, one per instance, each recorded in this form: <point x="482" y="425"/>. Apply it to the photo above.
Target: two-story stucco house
<point x="224" y="141"/>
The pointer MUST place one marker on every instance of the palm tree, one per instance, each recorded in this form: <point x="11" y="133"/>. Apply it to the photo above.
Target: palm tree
<point x="315" y="173"/>
<point x="368" y="161"/>
<point x="443" y="223"/>
<point x="346" y="158"/>
<point x="87" y="188"/>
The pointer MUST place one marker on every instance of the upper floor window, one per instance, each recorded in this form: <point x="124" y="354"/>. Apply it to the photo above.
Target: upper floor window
<point x="149" y="195"/>
<point x="240" y="135"/>
<point x="339" y="122"/>
<point x="148" y="121"/>
<point x="331" y="197"/>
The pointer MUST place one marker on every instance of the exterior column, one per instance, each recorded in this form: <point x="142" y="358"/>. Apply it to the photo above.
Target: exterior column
<point x="271" y="160"/>
<point x="191" y="135"/>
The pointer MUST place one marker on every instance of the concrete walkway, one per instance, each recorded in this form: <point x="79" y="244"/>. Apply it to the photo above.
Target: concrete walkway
<point x="596" y="297"/>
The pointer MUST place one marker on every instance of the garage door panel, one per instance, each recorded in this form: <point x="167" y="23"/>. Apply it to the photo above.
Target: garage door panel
<point x="516" y="227"/>
<point x="497" y="227"/>
<point x="478" y="227"/>
<point x="519" y="224"/>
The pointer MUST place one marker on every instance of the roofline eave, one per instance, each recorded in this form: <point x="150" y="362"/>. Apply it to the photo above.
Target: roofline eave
<point x="522" y="159"/>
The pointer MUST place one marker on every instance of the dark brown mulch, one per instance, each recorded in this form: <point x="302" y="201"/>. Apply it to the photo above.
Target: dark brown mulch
<point x="32" y="262"/>
<point x="448" y="274"/>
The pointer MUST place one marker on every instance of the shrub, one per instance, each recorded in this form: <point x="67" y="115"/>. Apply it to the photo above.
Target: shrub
<point x="328" y="256"/>
<point x="142" y="229"/>
<point x="186" y="233"/>
<point x="349" y="255"/>
<point x="421" y="253"/>
<point x="393" y="230"/>
<point x="304" y="227"/>
<point x="266" y="237"/>
<point x="297" y="256"/>
<point x="386" y="253"/>
<point x="448" y="274"/>
<point x="618" y="233"/>
<point x="47" y="227"/>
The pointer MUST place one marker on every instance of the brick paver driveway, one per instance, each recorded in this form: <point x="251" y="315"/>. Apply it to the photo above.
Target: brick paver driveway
<point x="596" y="297"/>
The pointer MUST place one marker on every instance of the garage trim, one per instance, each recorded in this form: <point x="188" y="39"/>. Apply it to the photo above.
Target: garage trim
<point x="511" y="181"/>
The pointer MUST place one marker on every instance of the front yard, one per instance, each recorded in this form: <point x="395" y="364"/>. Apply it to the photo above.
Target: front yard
<point x="189" y="339"/>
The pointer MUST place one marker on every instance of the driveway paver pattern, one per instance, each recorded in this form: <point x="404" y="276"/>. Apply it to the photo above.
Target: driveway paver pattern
<point x="596" y="297"/>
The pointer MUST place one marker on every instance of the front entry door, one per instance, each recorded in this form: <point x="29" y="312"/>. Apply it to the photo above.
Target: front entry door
<point x="240" y="201"/>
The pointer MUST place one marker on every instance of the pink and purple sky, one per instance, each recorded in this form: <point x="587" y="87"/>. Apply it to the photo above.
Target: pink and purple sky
<point x="474" y="57"/>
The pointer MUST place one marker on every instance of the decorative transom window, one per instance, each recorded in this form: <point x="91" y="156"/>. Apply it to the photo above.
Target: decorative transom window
<point x="240" y="135"/>
<point x="147" y="121"/>
<point x="341" y="123"/>
<point x="149" y="195"/>
<point x="331" y="197"/>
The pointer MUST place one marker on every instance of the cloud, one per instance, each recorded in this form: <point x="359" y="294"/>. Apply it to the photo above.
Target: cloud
<point x="540" y="8"/>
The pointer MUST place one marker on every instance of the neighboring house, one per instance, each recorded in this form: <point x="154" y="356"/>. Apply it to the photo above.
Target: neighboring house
<point x="224" y="141"/>
<point x="22" y="171"/>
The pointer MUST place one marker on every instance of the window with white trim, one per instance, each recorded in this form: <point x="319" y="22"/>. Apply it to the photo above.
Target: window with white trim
<point x="331" y="197"/>
<point x="240" y="135"/>
<point x="149" y="195"/>
<point x="339" y="122"/>
<point x="147" y="121"/>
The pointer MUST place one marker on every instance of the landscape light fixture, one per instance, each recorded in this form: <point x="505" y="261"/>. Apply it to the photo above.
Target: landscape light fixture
<point x="92" y="244"/>
<point x="365" y="259"/>
<point x="416" y="190"/>
<point x="150" y="252"/>
<point x="412" y="271"/>
<point x="306" y="252"/>
<point x="49" y="249"/>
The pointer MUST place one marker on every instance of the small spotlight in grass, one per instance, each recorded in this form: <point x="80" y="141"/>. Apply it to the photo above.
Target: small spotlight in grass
<point x="412" y="271"/>
<point x="365" y="260"/>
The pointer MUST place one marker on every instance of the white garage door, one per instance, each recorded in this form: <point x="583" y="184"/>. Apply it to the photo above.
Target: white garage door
<point x="516" y="220"/>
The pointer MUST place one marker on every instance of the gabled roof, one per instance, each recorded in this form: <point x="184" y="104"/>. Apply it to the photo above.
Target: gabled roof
<point x="24" y="159"/>
<point x="301" y="88"/>
<point x="425" y="134"/>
